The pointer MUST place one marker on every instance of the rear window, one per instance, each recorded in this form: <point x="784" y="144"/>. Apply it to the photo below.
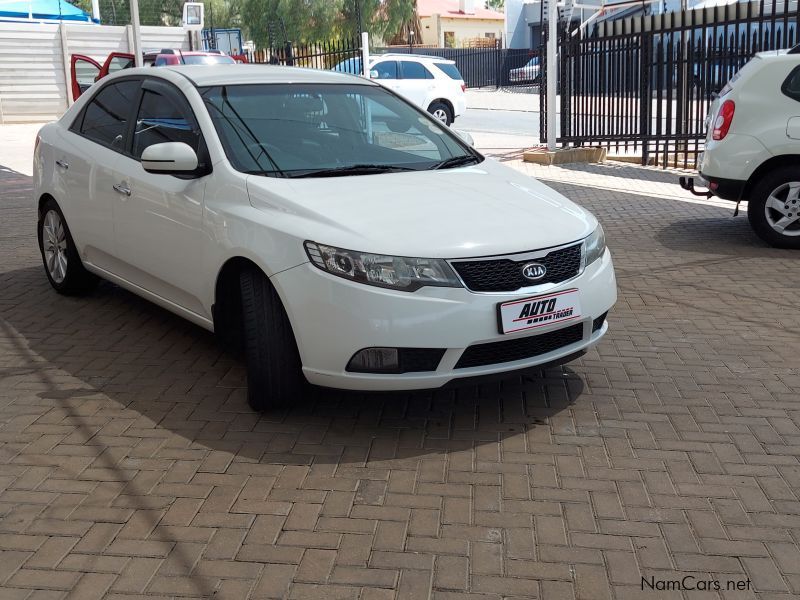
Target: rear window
<point x="202" y="59"/>
<point x="791" y="87"/>
<point x="450" y="70"/>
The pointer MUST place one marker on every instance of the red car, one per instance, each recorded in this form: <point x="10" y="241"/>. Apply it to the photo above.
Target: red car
<point x="85" y="70"/>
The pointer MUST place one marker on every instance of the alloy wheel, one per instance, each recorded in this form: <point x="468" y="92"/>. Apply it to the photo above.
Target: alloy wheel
<point x="782" y="209"/>
<point x="54" y="242"/>
<point x="440" y="115"/>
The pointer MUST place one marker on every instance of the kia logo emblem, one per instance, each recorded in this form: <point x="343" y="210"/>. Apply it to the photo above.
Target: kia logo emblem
<point x="534" y="271"/>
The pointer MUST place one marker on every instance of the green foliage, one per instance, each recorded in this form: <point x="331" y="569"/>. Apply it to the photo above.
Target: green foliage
<point x="314" y="20"/>
<point x="301" y="21"/>
<point x="496" y="4"/>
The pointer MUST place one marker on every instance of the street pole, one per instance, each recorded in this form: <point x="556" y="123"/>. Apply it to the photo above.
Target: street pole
<point x="96" y="10"/>
<point x="137" y="33"/>
<point x="552" y="73"/>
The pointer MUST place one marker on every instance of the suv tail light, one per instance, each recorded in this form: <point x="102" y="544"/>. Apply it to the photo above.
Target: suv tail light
<point x="723" y="121"/>
<point x="463" y="87"/>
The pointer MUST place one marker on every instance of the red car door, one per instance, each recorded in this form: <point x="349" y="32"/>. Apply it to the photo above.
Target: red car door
<point x="84" y="71"/>
<point x="116" y="61"/>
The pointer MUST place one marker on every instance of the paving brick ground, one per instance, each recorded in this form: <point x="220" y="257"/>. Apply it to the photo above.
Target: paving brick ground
<point x="130" y="464"/>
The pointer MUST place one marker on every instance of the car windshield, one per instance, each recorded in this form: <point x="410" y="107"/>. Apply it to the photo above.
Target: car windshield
<point x="207" y="59"/>
<point x="319" y="130"/>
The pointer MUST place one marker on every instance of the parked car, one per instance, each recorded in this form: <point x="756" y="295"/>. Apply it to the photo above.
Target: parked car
<point x="275" y="207"/>
<point x="530" y="72"/>
<point x="430" y="82"/>
<point x="752" y="148"/>
<point x="85" y="70"/>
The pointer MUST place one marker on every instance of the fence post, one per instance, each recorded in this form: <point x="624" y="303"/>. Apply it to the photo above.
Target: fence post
<point x="365" y="53"/>
<point x="289" y="55"/>
<point x="62" y="30"/>
<point x="645" y="96"/>
<point x="552" y="73"/>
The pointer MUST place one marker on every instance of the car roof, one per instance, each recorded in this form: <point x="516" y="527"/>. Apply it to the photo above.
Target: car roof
<point x="227" y="74"/>
<point x="421" y="57"/>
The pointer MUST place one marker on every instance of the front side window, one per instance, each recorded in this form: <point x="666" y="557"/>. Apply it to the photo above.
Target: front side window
<point x="162" y="120"/>
<point x="415" y="70"/>
<point x="105" y="119"/>
<point x="385" y="70"/>
<point x="118" y="63"/>
<point x="317" y="130"/>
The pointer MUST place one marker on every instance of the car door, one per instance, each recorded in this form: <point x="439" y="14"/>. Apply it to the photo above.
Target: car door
<point x="83" y="72"/>
<point x="387" y="73"/>
<point x="116" y="61"/>
<point x="417" y="83"/>
<point x="158" y="218"/>
<point x="85" y="160"/>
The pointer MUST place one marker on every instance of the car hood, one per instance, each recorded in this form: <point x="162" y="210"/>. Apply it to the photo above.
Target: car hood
<point x="482" y="210"/>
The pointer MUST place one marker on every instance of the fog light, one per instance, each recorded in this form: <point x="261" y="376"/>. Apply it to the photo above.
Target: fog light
<point x="375" y="360"/>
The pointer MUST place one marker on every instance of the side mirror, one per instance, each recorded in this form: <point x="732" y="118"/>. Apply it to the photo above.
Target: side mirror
<point x="373" y="74"/>
<point x="170" y="158"/>
<point x="465" y="136"/>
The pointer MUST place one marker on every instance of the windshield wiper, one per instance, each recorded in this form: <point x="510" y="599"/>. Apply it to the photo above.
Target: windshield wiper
<point x="352" y="170"/>
<point x="456" y="161"/>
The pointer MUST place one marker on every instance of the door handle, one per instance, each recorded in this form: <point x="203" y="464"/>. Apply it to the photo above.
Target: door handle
<point x="119" y="187"/>
<point x="62" y="164"/>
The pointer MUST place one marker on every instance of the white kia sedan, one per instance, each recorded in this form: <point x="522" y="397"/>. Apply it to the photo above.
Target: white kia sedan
<point x="320" y="223"/>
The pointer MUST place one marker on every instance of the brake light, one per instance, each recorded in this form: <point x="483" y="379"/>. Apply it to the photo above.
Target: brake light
<point x="463" y="87"/>
<point x="723" y="121"/>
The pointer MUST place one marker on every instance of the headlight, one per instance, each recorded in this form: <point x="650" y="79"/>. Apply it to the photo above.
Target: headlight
<point x="395" y="272"/>
<point x="594" y="246"/>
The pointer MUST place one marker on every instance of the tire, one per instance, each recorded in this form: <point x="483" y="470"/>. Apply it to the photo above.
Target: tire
<point x="774" y="208"/>
<point x="274" y="374"/>
<point x="441" y="112"/>
<point x="60" y="258"/>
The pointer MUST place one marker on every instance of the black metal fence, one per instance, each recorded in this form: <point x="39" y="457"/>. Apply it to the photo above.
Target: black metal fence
<point x="481" y="67"/>
<point x="645" y="84"/>
<point x="343" y="55"/>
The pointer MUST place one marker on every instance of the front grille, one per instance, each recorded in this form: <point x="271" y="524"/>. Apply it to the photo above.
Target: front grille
<point x="519" y="348"/>
<point x="598" y="322"/>
<point x="505" y="275"/>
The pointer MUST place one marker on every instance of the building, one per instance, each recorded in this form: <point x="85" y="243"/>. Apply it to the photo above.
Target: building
<point x="459" y="23"/>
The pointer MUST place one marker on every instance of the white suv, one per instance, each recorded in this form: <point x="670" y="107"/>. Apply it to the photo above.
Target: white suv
<point x="752" y="147"/>
<point x="432" y="83"/>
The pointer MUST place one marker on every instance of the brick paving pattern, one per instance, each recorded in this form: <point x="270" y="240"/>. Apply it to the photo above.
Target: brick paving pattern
<point x="131" y="466"/>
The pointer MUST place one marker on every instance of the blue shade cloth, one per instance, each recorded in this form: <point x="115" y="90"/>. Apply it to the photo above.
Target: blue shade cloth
<point x="42" y="9"/>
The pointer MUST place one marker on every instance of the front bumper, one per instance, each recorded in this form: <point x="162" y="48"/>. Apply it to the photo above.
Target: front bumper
<point x="333" y="318"/>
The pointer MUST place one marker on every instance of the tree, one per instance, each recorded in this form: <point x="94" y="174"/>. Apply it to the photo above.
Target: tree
<point x="497" y="5"/>
<point x="306" y="21"/>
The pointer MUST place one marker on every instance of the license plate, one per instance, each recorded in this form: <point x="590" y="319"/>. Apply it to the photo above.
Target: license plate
<point x="538" y="311"/>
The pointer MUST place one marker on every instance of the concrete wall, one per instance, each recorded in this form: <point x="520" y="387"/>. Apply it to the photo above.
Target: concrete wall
<point x="434" y="27"/>
<point x="34" y="62"/>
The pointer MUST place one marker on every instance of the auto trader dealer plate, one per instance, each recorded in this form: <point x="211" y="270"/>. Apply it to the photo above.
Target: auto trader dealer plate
<point x="539" y="311"/>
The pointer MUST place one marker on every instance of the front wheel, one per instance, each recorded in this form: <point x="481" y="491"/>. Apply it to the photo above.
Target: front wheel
<point x="62" y="264"/>
<point x="274" y="371"/>
<point x="441" y="112"/>
<point x="774" y="208"/>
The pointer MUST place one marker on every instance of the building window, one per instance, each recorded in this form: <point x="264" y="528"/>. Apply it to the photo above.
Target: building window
<point x="490" y="35"/>
<point x="449" y="39"/>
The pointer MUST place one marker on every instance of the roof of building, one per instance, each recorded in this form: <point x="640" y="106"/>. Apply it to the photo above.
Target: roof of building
<point x="42" y="9"/>
<point x="450" y="9"/>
